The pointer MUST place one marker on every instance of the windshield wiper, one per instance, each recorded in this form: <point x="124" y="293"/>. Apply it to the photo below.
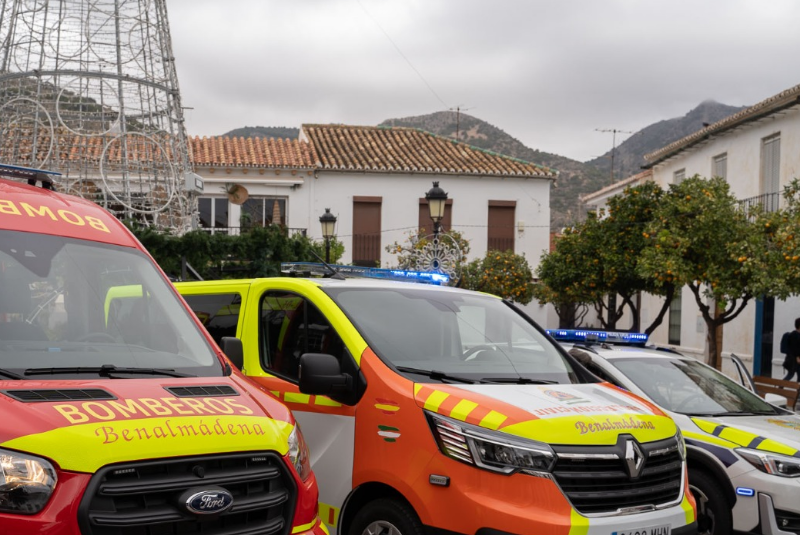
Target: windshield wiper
<point x="518" y="381"/>
<point x="10" y="374"/>
<point x="434" y="374"/>
<point x="105" y="371"/>
<point x="732" y="413"/>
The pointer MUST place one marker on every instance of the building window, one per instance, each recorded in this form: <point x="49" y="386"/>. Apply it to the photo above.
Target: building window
<point x="678" y="176"/>
<point x="367" y="231"/>
<point x="263" y="211"/>
<point x="719" y="166"/>
<point x="425" y="222"/>
<point x="501" y="225"/>
<point x="213" y="212"/>
<point x="770" y="164"/>
<point x="675" y="319"/>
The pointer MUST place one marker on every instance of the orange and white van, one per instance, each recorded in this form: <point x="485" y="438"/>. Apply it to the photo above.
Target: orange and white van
<point x="430" y="409"/>
<point x="120" y="420"/>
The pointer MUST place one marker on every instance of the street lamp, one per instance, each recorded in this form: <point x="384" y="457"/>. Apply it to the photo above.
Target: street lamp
<point x="437" y="198"/>
<point x="328" y="222"/>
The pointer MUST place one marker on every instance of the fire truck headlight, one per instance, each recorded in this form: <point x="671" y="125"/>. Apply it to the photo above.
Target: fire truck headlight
<point x="490" y="450"/>
<point x="26" y="482"/>
<point x="771" y="463"/>
<point x="298" y="453"/>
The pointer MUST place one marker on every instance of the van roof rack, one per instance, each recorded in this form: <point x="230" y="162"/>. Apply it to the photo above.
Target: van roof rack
<point x="307" y="269"/>
<point x="29" y="174"/>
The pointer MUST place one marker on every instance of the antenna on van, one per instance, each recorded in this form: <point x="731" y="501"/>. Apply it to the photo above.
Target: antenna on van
<point x="334" y="274"/>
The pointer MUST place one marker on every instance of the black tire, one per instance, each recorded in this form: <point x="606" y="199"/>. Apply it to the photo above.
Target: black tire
<point x="713" y="512"/>
<point x="386" y="517"/>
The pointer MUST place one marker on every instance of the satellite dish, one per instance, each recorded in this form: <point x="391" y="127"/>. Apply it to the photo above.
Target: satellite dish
<point x="236" y="194"/>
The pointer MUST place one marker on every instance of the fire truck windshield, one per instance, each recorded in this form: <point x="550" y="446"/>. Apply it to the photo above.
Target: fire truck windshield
<point x="67" y="303"/>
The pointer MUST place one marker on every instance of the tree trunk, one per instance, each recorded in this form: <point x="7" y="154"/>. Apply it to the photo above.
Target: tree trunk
<point x="661" y="313"/>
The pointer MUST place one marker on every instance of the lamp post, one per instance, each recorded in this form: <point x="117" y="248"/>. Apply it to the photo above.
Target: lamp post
<point x="437" y="199"/>
<point x="328" y="222"/>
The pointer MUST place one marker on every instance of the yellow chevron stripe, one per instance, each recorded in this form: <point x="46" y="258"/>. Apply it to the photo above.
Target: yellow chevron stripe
<point x="325" y="401"/>
<point x="711" y="439"/>
<point x="435" y="400"/>
<point x="493" y="420"/>
<point x="325" y="511"/>
<point x="294" y="397"/>
<point x="688" y="510"/>
<point x="384" y="407"/>
<point x="579" y="524"/>
<point x="462" y="410"/>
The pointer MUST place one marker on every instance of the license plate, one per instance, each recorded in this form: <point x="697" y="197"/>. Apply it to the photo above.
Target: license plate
<point x="651" y="530"/>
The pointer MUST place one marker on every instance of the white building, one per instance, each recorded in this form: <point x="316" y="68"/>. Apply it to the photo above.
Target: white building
<point x="757" y="150"/>
<point x="374" y="180"/>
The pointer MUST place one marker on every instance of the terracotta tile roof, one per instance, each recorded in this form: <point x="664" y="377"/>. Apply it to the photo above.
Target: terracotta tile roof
<point x="619" y="185"/>
<point x="328" y="147"/>
<point x="406" y="150"/>
<point x="784" y="99"/>
<point x="224" y="151"/>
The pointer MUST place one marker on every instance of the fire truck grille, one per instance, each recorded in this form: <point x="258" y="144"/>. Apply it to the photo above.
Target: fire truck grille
<point x="148" y="498"/>
<point x="598" y="479"/>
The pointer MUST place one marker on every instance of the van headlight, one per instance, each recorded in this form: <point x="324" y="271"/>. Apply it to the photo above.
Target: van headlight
<point x="490" y="450"/>
<point x="298" y="453"/>
<point x="26" y="482"/>
<point x="771" y="463"/>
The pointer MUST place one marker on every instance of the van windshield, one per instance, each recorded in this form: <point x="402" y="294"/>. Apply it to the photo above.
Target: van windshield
<point x="461" y="334"/>
<point x="73" y="304"/>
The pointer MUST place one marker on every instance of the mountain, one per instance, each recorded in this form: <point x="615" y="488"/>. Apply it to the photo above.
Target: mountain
<point x="574" y="177"/>
<point x="282" y="132"/>
<point x="629" y="155"/>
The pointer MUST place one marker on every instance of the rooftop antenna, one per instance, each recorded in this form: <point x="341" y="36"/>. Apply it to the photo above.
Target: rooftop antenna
<point x="458" y="109"/>
<point x="614" y="133"/>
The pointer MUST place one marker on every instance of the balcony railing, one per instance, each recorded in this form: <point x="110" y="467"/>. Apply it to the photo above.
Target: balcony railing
<point x="236" y="231"/>
<point x="769" y="202"/>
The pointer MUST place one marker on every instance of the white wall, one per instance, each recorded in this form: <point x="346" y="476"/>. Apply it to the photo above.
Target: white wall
<point x="400" y="195"/>
<point x="743" y="147"/>
<point x="309" y="194"/>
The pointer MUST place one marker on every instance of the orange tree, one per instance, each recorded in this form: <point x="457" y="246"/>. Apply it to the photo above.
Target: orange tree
<point x="599" y="258"/>
<point x="505" y="274"/>
<point x="701" y="237"/>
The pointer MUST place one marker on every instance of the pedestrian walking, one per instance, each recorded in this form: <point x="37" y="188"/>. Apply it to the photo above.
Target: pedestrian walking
<point x="792" y="360"/>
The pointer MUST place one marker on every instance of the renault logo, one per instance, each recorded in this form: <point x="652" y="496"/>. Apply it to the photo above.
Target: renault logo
<point x="634" y="458"/>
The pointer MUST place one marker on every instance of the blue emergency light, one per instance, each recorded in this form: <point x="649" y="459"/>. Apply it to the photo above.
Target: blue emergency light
<point x="315" y="268"/>
<point x="29" y="174"/>
<point x="608" y="337"/>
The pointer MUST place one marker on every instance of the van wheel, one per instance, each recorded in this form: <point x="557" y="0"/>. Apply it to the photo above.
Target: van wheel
<point x="386" y="517"/>
<point x="713" y="512"/>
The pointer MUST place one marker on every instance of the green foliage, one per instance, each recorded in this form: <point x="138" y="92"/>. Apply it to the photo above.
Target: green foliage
<point x="505" y="274"/>
<point x="255" y="253"/>
<point x="600" y="257"/>
<point x="699" y="238"/>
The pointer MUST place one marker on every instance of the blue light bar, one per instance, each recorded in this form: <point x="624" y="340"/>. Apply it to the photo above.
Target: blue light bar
<point x="608" y="337"/>
<point x="318" y="269"/>
<point x="27" y="173"/>
<point x="744" y="491"/>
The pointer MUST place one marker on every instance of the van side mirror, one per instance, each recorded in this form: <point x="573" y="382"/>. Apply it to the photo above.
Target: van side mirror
<point x="232" y="347"/>
<point x="321" y="375"/>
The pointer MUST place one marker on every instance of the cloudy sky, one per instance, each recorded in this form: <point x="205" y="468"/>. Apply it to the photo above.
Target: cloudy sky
<point x="548" y="72"/>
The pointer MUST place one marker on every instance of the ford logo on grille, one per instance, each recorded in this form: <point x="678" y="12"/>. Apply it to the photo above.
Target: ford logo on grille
<point x="209" y="501"/>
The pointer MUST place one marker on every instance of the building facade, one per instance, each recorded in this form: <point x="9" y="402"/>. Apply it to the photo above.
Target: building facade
<point x="374" y="181"/>
<point x="757" y="151"/>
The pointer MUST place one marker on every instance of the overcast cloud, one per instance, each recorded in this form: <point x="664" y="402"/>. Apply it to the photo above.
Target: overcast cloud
<point x="547" y="72"/>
